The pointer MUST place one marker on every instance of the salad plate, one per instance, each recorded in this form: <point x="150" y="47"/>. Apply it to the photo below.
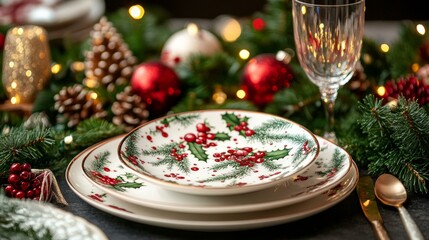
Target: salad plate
<point x="102" y="167"/>
<point x="99" y="199"/>
<point x="218" y="152"/>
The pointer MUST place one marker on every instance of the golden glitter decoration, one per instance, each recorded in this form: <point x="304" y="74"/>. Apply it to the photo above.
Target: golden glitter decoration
<point x="26" y="63"/>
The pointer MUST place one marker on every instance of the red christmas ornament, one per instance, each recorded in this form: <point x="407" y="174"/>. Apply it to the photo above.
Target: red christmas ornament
<point x="157" y="84"/>
<point x="263" y="76"/>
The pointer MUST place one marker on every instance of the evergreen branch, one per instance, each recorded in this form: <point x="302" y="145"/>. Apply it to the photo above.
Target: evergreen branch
<point x="184" y="120"/>
<point x="274" y="130"/>
<point x="236" y="174"/>
<point x="335" y="164"/>
<point x="100" y="161"/>
<point x="26" y="145"/>
<point x="223" y="165"/>
<point x="411" y="129"/>
<point x="170" y="162"/>
<point x="163" y="150"/>
<point x="270" y="165"/>
<point x="397" y="141"/>
<point x="131" y="145"/>
<point x="94" y="130"/>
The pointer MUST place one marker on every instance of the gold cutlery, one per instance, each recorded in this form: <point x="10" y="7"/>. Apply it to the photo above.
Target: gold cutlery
<point x="390" y="191"/>
<point x="368" y="202"/>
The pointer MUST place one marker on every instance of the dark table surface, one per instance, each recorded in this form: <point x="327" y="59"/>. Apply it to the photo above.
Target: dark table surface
<point x="345" y="220"/>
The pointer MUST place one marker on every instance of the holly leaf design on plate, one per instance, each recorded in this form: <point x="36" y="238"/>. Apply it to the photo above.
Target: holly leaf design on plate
<point x="233" y="121"/>
<point x="277" y="154"/>
<point x="221" y="136"/>
<point x="198" y="151"/>
<point x="123" y="185"/>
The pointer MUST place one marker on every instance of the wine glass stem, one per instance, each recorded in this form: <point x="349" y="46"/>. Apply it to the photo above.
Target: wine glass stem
<point x="329" y="95"/>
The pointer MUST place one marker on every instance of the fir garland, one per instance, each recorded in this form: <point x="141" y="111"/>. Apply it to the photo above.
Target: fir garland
<point x="393" y="140"/>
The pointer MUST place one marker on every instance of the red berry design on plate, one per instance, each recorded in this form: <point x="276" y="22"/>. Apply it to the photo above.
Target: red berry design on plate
<point x="22" y="182"/>
<point x="176" y="155"/>
<point x="202" y="136"/>
<point x="105" y="179"/>
<point x="244" y="129"/>
<point x="243" y="157"/>
<point x="190" y="137"/>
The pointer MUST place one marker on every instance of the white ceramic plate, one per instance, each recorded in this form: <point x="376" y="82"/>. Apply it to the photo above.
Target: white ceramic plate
<point x="80" y="28"/>
<point x="102" y="167"/>
<point x="46" y="218"/>
<point x="62" y="13"/>
<point x="204" y="222"/>
<point x="218" y="152"/>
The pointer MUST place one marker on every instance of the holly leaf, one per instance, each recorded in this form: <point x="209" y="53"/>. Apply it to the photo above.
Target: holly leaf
<point x="277" y="154"/>
<point x="198" y="151"/>
<point x="222" y="136"/>
<point x="233" y="120"/>
<point x="121" y="186"/>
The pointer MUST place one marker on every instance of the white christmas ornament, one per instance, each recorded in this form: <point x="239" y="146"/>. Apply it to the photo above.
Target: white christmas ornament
<point x="187" y="42"/>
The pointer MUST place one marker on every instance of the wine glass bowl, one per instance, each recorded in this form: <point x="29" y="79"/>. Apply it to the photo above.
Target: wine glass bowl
<point x="328" y="38"/>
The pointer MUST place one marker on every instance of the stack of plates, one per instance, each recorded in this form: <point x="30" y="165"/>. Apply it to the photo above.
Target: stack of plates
<point x="214" y="170"/>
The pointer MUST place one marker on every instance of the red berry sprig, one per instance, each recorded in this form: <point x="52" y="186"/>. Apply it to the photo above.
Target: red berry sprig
<point x="410" y="87"/>
<point x="203" y="134"/>
<point x="244" y="129"/>
<point x="244" y="156"/>
<point x="23" y="184"/>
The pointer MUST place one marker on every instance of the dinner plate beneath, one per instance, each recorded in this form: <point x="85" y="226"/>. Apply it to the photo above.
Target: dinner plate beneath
<point x="218" y="152"/>
<point x="102" y="167"/>
<point x="204" y="222"/>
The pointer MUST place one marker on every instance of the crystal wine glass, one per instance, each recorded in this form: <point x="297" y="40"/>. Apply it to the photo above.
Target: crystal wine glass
<point x="328" y="38"/>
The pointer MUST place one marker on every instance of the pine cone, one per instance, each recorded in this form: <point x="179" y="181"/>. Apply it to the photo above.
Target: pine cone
<point x="110" y="63"/>
<point x="76" y="104"/>
<point x="129" y="110"/>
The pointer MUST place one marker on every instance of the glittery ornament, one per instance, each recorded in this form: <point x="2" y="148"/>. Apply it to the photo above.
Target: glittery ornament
<point x="157" y="84"/>
<point x="26" y="63"/>
<point x="188" y="42"/>
<point x="263" y="76"/>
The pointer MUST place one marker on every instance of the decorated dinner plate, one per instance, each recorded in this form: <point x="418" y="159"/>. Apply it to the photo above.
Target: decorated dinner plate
<point x="44" y="221"/>
<point x="102" y="167"/>
<point x="104" y="201"/>
<point x="218" y="152"/>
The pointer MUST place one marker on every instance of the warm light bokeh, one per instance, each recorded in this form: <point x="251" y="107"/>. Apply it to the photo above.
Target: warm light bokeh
<point x="244" y="54"/>
<point x="136" y="12"/>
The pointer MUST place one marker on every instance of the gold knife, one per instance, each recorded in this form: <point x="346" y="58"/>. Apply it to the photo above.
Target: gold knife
<point x="365" y="190"/>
